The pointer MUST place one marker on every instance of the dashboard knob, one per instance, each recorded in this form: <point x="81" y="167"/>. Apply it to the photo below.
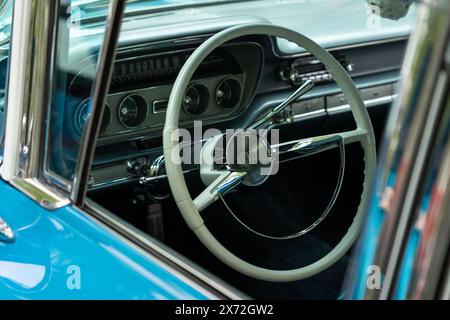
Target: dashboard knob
<point x="285" y="74"/>
<point x="134" y="168"/>
<point x="350" y="67"/>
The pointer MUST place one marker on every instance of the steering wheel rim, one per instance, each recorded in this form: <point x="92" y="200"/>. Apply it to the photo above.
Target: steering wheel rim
<point x="185" y="203"/>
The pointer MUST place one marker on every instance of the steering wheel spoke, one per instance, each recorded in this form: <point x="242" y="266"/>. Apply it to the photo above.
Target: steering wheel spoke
<point x="226" y="182"/>
<point x="314" y="145"/>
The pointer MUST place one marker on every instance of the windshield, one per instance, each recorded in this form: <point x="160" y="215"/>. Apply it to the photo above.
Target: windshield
<point x="92" y="9"/>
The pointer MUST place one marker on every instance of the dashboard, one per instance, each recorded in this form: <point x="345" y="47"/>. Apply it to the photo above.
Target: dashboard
<point x="238" y="83"/>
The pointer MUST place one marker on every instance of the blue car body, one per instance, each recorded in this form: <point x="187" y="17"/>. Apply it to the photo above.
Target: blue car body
<point x="64" y="254"/>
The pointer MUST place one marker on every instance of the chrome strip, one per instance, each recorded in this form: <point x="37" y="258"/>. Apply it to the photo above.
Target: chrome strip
<point x="112" y="183"/>
<point x="32" y="53"/>
<point x="129" y="179"/>
<point x="16" y="87"/>
<point x="6" y="233"/>
<point x="368" y="103"/>
<point x="310" y="114"/>
<point x="40" y="193"/>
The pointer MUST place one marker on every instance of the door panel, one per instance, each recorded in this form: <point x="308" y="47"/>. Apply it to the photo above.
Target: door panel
<point x="66" y="255"/>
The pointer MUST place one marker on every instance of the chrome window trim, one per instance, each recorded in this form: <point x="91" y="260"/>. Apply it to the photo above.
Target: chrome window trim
<point x="40" y="193"/>
<point x="16" y="87"/>
<point x="25" y="122"/>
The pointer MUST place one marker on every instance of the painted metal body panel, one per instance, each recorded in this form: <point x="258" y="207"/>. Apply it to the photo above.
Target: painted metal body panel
<point x="66" y="255"/>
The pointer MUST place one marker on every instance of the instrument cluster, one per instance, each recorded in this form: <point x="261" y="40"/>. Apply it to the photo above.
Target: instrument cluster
<point x="141" y="87"/>
<point x="209" y="98"/>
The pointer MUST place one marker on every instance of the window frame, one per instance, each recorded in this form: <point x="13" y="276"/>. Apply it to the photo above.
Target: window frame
<point x="27" y="101"/>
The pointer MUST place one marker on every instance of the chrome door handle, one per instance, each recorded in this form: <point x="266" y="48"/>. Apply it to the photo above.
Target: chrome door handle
<point x="6" y="233"/>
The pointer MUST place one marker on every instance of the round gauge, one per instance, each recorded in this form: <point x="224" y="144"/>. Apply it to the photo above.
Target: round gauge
<point x="82" y="115"/>
<point x="228" y="93"/>
<point x="133" y="111"/>
<point x="196" y="100"/>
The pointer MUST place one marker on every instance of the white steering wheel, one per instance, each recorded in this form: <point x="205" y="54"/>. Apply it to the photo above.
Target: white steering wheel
<point x="190" y="209"/>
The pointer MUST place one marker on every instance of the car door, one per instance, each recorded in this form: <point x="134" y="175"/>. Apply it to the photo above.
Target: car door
<point x="50" y="249"/>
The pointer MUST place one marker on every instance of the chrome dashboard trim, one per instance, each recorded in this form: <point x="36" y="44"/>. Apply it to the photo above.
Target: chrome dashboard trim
<point x="310" y="114"/>
<point x="112" y="183"/>
<point x="338" y="48"/>
<point x="324" y="111"/>
<point x="367" y="103"/>
<point x="129" y="179"/>
<point x="146" y="130"/>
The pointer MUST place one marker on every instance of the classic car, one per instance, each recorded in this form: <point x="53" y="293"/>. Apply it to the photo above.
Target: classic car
<point x="215" y="149"/>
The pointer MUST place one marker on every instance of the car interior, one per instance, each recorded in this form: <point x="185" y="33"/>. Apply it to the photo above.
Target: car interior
<point x="238" y="83"/>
